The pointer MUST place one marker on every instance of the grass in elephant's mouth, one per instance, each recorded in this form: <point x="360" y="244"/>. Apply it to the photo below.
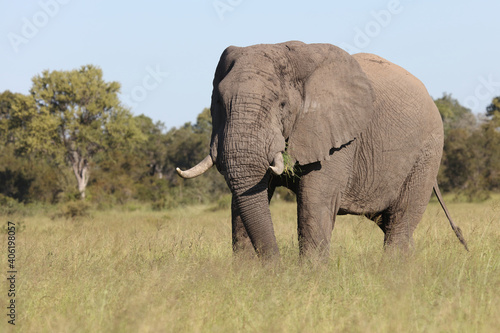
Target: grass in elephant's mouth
<point x="290" y="167"/>
<point x="144" y="271"/>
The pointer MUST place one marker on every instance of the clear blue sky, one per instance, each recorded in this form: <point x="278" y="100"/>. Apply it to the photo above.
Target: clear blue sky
<point x="452" y="46"/>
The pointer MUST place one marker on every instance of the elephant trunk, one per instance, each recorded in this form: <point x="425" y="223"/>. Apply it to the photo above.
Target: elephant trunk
<point x="247" y="158"/>
<point x="248" y="180"/>
<point x="256" y="216"/>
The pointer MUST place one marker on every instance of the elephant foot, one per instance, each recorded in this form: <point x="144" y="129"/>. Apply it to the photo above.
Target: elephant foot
<point x="400" y="249"/>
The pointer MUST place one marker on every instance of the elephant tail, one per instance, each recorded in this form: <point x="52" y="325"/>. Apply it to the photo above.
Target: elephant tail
<point x="455" y="228"/>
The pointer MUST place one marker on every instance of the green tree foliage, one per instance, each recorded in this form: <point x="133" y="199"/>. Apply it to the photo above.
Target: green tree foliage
<point x="471" y="156"/>
<point x="186" y="147"/>
<point x="12" y="107"/>
<point x="489" y="140"/>
<point x="147" y="172"/>
<point x="29" y="178"/>
<point x="493" y="111"/>
<point x="154" y="147"/>
<point x="71" y="116"/>
<point x="494" y="107"/>
<point x="24" y="178"/>
<point x="189" y="144"/>
<point x="75" y="119"/>
<point x="7" y="99"/>
<point x="454" y="115"/>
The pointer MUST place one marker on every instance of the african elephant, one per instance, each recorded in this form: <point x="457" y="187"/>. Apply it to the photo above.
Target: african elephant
<point x="364" y="135"/>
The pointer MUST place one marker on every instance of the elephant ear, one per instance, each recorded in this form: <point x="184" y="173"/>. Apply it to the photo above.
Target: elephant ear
<point x="337" y="106"/>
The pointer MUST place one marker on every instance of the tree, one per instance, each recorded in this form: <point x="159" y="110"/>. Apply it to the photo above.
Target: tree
<point x="6" y="100"/>
<point x="74" y="115"/>
<point x="10" y="103"/>
<point x="454" y="115"/>
<point x="186" y="146"/>
<point x="27" y="177"/>
<point x="189" y="144"/>
<point x="493" y="112"/>
<point x="471" y="156"/>
<point x="155" y="144"/>
<point x="494" y="107"/>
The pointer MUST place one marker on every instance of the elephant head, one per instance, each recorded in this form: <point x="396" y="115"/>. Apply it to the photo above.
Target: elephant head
<point x="309" y="99"/>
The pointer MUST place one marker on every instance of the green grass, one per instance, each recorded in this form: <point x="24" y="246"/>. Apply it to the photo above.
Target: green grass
<point x="173" y="271"/>
<point x="289" y="165"/>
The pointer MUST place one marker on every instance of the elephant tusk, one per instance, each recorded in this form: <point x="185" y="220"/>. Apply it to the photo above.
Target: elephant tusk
<point x="278" y="165"/>
<point x="198" y="169"/>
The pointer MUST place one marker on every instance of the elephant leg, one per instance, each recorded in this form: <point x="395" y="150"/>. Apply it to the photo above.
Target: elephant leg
<point x="401" y="219"/>
<point x="318" y="201"/>
<point x="242" y="245"/>
<point x="398" y="226"/>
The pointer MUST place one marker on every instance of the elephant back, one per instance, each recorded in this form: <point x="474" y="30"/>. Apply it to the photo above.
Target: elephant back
<point x="401" y="99"/>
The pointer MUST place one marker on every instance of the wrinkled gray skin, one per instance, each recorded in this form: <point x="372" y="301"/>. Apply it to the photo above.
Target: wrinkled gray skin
<point x="365" y="135"/>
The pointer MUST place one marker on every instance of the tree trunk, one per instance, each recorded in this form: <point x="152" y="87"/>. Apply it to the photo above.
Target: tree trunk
<point x="159" y="171"/>
<point x="81" y="171"/>
<point x="82" y="182"/>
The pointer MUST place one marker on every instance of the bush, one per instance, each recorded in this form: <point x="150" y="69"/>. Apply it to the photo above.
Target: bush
<point x="473" y="194"/>
<point x="9" y="206"/>
<point x="74" y="209"/>
<point x="282" y="193"/>
<point x="224" y="203"/>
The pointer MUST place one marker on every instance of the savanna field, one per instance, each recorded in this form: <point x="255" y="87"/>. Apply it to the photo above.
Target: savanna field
<point x="136" y="270"/>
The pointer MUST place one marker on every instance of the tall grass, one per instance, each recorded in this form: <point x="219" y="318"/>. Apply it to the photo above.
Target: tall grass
<point x="143" y="271"/>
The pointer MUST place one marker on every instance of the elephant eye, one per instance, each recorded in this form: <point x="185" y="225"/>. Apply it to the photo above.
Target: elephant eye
<point x="282" y="104"/>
